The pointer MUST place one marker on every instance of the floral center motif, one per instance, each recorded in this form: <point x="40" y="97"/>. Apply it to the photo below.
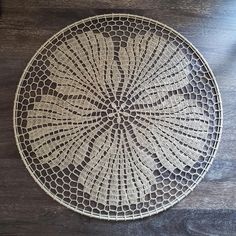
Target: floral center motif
<point x="117" y="111"/>
<point x="124" y="117"/>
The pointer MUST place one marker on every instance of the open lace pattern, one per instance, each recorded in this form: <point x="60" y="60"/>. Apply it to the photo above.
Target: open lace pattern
<point x="117" y="117"/>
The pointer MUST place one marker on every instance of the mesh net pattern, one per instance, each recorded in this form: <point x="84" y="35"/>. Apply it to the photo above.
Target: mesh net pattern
<point x="117" y="117"/>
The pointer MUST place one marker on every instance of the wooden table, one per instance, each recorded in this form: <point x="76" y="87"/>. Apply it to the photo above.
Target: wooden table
<point x="27" y="210"/>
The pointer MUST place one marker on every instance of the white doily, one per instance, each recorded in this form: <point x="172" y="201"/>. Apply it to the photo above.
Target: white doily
<point x="117" y="117"/>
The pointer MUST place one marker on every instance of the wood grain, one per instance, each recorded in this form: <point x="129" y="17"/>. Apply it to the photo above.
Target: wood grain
<point x="26" y="210"/>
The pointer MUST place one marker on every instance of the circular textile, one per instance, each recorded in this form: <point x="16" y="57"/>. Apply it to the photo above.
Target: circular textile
<point x="117" y="117"/>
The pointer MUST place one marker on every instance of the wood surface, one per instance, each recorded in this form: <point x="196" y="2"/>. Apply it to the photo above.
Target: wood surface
<point x="25" y="209"/>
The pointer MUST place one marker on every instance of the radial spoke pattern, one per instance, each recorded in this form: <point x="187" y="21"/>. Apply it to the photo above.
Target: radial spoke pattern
<point x="117" y="117"/>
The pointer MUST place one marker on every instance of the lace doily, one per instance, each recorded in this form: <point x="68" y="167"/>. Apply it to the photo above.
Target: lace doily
<point x="117" y="117"/>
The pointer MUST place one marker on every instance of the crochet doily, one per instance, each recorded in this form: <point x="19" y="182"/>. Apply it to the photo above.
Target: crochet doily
<point x="117" y="117"/>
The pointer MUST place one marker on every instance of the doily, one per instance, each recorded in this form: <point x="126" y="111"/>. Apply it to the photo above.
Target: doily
<point x="117" y="117"/>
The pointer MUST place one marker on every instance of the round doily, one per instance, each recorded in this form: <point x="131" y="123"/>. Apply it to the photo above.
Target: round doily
<point x="117" y="117"/>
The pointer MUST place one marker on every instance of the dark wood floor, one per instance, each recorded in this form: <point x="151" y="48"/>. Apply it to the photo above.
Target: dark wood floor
<point x="26" y="210"/>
